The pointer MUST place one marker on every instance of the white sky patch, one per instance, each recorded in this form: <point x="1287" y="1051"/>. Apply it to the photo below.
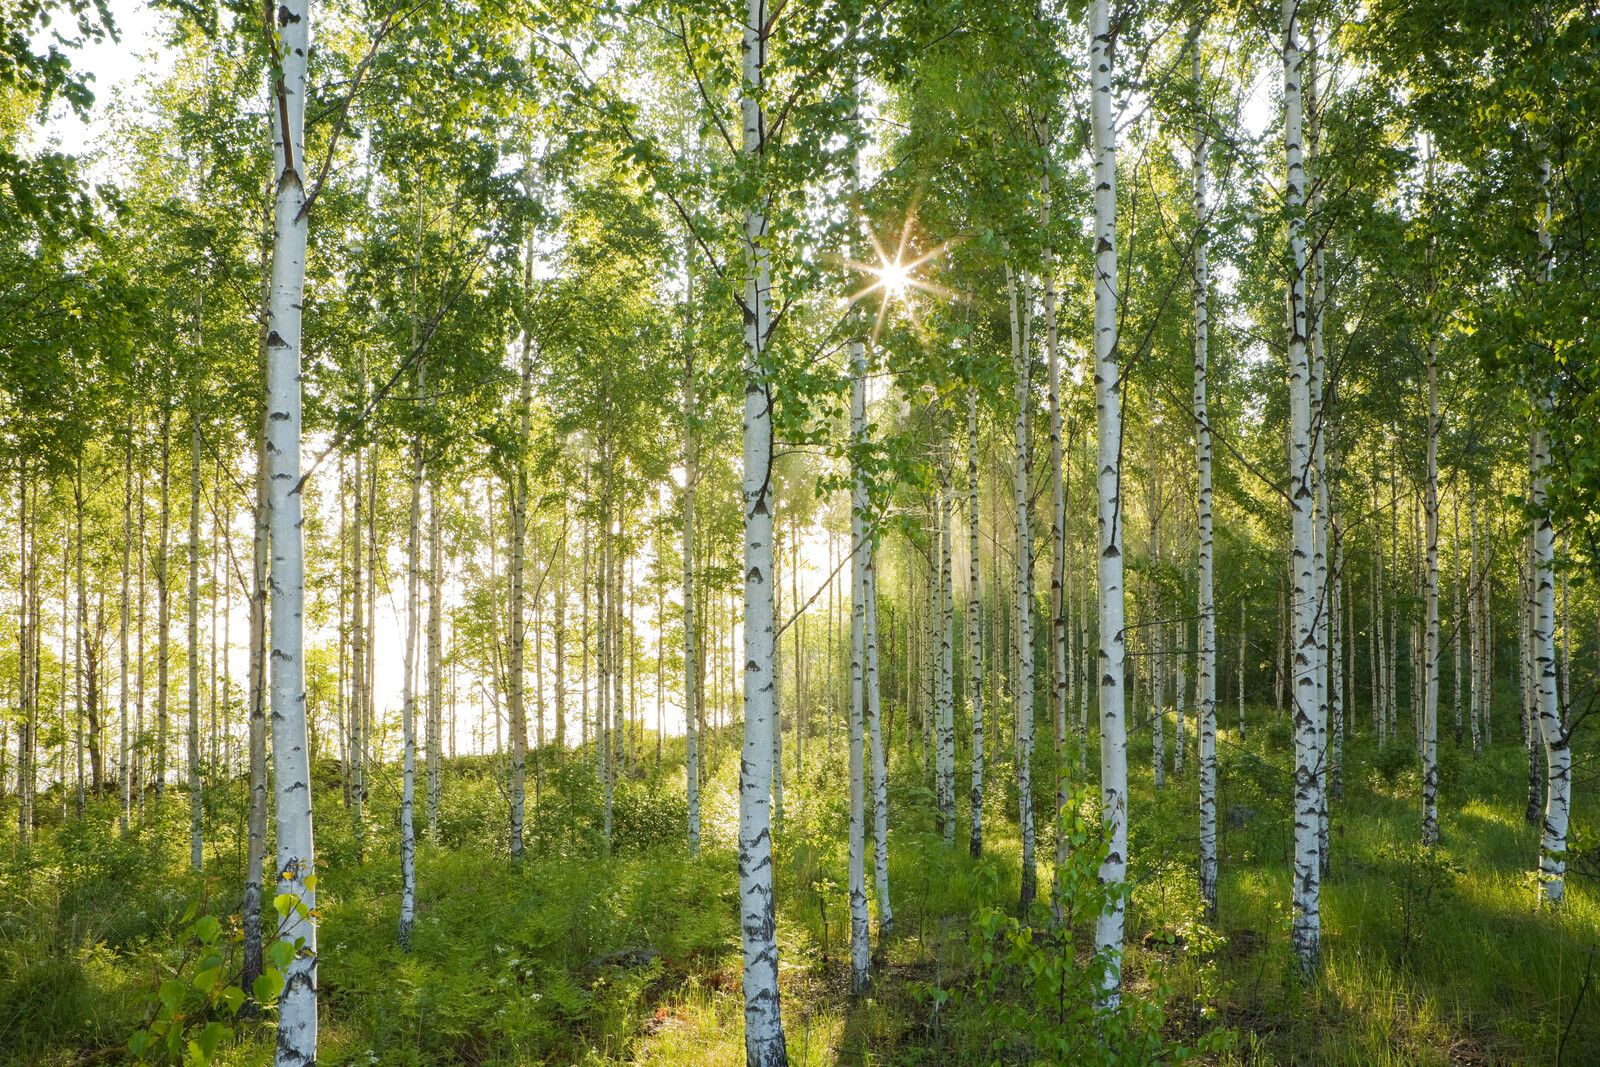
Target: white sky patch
<point x="116" y="67"/>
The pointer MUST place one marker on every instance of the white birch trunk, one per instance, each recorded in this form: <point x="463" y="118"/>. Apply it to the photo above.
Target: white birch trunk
<point x="196" y="800"/>
<point x="408" y="695"/>
<point x="880" y="773"/>
<point x="1058" y="529"/>
<point x="763" y="1021"/>
<point x="1108" y="428"/>
<point x="1306" y="933"/>
<point x="860" y="921"/>
<point x="1024" y="608"/>
<point x="124" y="775"/>
<point x="1558" y="753"/>
<point x="1430" y="650"/>
<point x="974" y="630"/>
<point x="256" y="848"/>
<point x="691" y="655"/>
<point x="946" y="621"/>
<point x="435" y="727"/>
<point x="297" y="1007"/>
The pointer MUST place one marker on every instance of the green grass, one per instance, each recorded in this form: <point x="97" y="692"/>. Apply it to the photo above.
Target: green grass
<point x="1440" y="958"/>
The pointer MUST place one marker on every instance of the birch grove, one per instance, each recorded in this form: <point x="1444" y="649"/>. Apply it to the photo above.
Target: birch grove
<point x="648" y="477"/>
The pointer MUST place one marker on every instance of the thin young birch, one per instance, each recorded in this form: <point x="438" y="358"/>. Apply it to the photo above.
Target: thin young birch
<point x="1108" y="428"/>
<point x="1024" y="605"/>
<point x="1306" y="932"/>
<point x="1557" y="749"/>
<point x="763" y="1030"/>
<point x="974" y="630"/>
<point x="297" y="1005"/>
<point x="860" y="920"/>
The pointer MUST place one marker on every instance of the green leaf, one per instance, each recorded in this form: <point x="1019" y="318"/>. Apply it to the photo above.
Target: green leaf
<point x="232" y="998"/>
<point x="281" y="954"/>
<point x="172" y="994"/>
<point x="267" y="986"/>
<point x="207" y="928"/>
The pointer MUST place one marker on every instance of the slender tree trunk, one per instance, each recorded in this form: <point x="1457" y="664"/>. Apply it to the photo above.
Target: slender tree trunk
<point x="860" y="946"/>
<point x="1430" y="654"/>
<point x="517" y="493"/>
<point x="196" y="801"/>
<point x="559" y="635"/>
<point x="408" y="695"/>
<point x="1307" y="925"/>
<point x="946" y="621"/>
<point x="1455" y="611"/>
<point x="256" y="847"/>
<point x="1156" y="630"/>
<point x="358" y="664"/>
<point x="880" y="770"/>
<point x="1108" y="418"/>
<point x="764" y="1039"/>
<point x="1244" y="632"/>
<point x="27" y="620"/>
<point x="691" y="654"/>
<point x="1023" y="688"/>
<point x="124" y="777"/>
<point x="163" y="604"/>
<point x="435" y="727"/>
<point x="1058" y="532"/>
<point x="297" y="1007"/>
<point x="1557" y="750"/>
<point x="974" y="628"/>
<point x="1207" y="711"/>
<point x="1475" y="602"/>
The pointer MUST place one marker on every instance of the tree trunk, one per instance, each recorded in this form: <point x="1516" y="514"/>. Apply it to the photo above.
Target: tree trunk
<point x="946" y="645"/>
<point x="860" y="946"/>
<point x="256" y="847"/>
<point x="408" y="694"/>
<point x="880" y="770"/>
<point x="1306" y="924"/>
<point x="358" y="663"/>
<point x="297" y="1007"/>
<point x="974" y="629"/>
<point x="124" y="778"/>
<point x="691" y="655"/>
<point x="196" y="804"/>
<point x="764" y="1039"/>
<point x="1430" y="651"/>
<point x="1557" y="750"/>
<point x="1207" y="710"/>
<point x="1108" y="418"/>
<point x="435" y="728"/>
<point x="517" y="494"/>
<point x="163" y="604"/>
<point x="1024" y="608"/>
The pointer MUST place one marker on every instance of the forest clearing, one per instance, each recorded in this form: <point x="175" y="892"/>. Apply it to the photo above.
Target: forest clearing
<point x="855" y="532"/>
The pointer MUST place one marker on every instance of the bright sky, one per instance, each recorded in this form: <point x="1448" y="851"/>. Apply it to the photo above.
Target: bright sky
<point x="115" y="65"/>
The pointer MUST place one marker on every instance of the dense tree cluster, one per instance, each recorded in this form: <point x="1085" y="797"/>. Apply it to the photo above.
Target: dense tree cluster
<point x="428" y="379"/>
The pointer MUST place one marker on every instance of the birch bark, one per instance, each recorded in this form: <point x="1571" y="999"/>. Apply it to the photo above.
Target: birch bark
<point x="1306" y="931"/>
<point x="297" y="1007"/>
<point x="1108" y="479"/>
<point x="764" y="1038"/>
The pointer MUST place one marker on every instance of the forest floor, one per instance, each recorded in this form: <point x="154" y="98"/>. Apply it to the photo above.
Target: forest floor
<point x="587" y="956"/>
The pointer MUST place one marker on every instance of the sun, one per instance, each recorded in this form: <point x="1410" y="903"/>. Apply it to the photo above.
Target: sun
<point x="894" y="278"/>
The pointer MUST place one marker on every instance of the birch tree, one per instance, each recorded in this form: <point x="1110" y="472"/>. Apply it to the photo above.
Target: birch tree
<point x="297" y="1006"/>
<point x="1108" y="483"/>
<point x="1306" y="934"/>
